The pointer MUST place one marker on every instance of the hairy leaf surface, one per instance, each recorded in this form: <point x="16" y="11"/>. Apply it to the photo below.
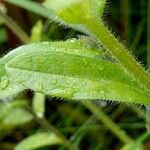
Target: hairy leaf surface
<point x="73" y="74"/>
<point x="9" y="87"/>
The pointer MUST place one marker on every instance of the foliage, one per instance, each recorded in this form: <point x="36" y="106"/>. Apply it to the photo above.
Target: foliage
<point x="92" y="66"/>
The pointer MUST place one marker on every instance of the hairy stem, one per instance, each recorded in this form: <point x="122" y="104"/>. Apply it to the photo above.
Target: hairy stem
<point x="108" y="122"/>
<point x="119" y="51"/>
<point x="46" y="125"/>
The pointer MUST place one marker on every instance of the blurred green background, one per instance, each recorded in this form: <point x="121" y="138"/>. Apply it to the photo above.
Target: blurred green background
<point x="84" y="125"/>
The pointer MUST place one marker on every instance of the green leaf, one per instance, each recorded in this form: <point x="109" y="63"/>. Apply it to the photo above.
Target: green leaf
<point x="138" y="143"/>
<point x="36" y="32"/>
<point x="34" y="7"/>
<point x="71" y="46"/>
<point x="9" y="87"/>
<point x="133" y="146"/>
<point x="6" y="108"/>
<point x="73" y="74"/>
<point x="17" y="117"/>
<point x="38" y="140"/>
<point x="13" y="114"/>
<point x="39" y="9"/>
<point x="82" y="10"/>
<point x="76" y="11"/>
<point x="98" y="7"/>
<point x="72" y="11"/>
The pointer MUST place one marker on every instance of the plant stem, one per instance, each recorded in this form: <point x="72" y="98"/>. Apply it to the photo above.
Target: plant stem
<point x="14" y="27"/>
<point x="143" y="137"/>
<point x="138" y="35"/>
<point x="46" y="125"/>
<point x="125" y="9"/>
<point x="108" y="122"/>
<point x="101" y="32"/>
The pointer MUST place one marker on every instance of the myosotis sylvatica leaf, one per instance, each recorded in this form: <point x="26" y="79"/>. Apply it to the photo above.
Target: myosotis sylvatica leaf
<point x="70" y="14"/>
<point x="8" y="87"/>
<point x="76" y="72"/>
<point x="72" y="73"/>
